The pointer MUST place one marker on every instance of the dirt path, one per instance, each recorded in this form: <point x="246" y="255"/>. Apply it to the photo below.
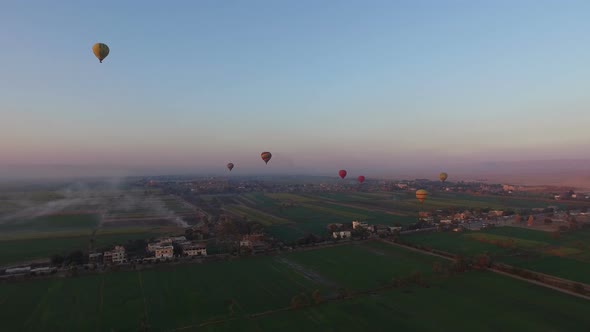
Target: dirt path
<point x="307" y="273"/>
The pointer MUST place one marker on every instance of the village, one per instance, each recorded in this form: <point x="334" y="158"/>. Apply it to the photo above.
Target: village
<point x="193" y="245"/>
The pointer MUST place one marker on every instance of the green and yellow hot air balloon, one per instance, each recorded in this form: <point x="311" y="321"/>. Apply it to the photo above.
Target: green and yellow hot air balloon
<point x="443" y="176"/>
<point x="101" y="51"/>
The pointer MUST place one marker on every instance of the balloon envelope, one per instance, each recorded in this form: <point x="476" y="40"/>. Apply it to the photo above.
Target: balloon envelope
<point x="266" y="156"/>
<point x="421" y="195"/>
<point x="361" y="179"/>
<point x="101" y="51"/>
<point x="342" y="173"/>
<point x="230" y="166"/>
<point x="443" y="176"/>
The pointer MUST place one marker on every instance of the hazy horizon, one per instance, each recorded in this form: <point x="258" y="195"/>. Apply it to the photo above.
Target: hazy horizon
<point x="572" y="172"/>
<point x="383" y="88"/>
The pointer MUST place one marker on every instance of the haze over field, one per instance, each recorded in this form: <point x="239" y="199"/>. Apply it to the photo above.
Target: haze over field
<point x="386" y="88"/>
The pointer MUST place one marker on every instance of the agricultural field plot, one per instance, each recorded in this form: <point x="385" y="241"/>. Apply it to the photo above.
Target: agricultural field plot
<point x="483" y="301"/>
<point x="50" y="223"/>
<point x="185" y="296"/>
<point x="309" y="213"/>
<point x="567" y="256"/>
<point x="350" y="266"/>
<point x="255" y="215"/>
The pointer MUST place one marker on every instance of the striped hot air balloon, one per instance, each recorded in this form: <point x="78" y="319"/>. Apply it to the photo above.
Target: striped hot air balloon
<point x="421" y="195"/>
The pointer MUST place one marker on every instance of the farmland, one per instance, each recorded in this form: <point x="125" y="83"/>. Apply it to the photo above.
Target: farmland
<point x="289" y="216"/>
<point x="222" y="295"/>
<point x="566" y="256"/>
<point x="37" y="224"/>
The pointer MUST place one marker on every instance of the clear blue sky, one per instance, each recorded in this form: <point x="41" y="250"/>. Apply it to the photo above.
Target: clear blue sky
<point x="363" y="85"/>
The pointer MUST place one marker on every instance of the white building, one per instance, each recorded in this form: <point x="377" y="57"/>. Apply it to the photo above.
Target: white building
<point x="116" y="256"/>
<point x="199" y="249"/>
<point x="342" y="235"/>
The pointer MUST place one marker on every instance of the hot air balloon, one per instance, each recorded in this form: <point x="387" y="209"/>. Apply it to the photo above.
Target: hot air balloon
<point x="342" y="173"/>
<point x="443" y="176"/>
<point x="266" y="156"/>
<point x="230" y="166"/>
<point x="361" y="179"/>
<point x="421" y="195"/>
<point x="101" y="51"/>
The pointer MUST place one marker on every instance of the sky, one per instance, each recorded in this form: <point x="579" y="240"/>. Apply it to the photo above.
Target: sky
<point x="369" y="86"/>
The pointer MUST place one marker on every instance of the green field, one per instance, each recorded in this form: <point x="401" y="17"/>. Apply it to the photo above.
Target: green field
<point x="476" y="301"/>
<point x="51" y="223"/>
<point x="567" y="256"/>
<point x="180" y="296"/>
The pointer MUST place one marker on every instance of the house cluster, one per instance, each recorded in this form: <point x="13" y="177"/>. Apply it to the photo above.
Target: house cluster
<point x="345" y="231"/>
<point x="116" y="256"/>
<point x="163" y="248"/>
<point x="571" y="195"/>
<point x="253" y="242"/>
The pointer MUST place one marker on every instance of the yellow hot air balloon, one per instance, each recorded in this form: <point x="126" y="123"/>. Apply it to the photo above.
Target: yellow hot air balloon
<point x="101" y="51"/>
<point x="443" y="176"/>
<point x="421" y="195"/>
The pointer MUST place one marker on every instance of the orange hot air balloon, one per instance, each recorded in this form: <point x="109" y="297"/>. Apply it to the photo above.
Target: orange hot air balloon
<point x="266" y="156"/>
<point x="443" y="176"/>
<point x="361" y="179"/>
<point x="230" y="166"/>
<point x="421" y="195"/>
<point x="342" y="173"/>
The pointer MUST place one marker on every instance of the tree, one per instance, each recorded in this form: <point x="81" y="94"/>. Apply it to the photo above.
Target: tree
<point x="317" y="297"/>
<point x="75" y="258"/>
<point x="459" y="264"/>
<point x="436" y="267"/>
<point x="177" y="249"/>
<point x="57" y="259"/>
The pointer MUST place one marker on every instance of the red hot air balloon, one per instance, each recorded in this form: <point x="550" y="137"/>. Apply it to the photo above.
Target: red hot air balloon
<point x="361" y="179"/>
<point x="342" y="173"/>
<point x="266" y="156"/>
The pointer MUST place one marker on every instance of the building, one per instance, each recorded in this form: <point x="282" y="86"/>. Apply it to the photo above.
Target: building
<point x="424" y="214"/>
<point x="95" y="257"/>
<point x="179" y="239"/>
<point x="115" y="256"/>
<point x="250" y="239"/>
<point x="496" y="213"/>
<point x="342" y="235"/>
<point x="152" y="247"/>
<point x="164" y="252"/>
<point x="358" y="224"/>
<point x="198" y="249"/>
